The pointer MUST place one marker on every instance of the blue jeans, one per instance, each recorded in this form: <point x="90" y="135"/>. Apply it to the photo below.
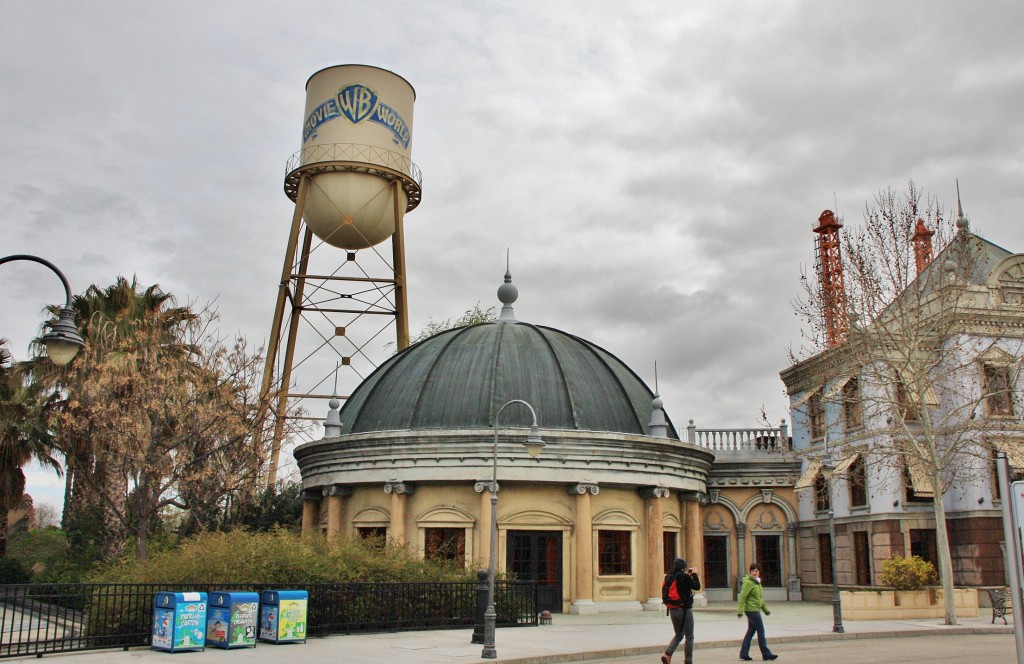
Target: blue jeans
<point x="682" y="622"/>
<point x="755" y="624"/>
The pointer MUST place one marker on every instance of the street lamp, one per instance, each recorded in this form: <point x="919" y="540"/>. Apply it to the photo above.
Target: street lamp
<point x="828" y="468"/>
<point x="534" y="445"/>
<point x="62" y="341"/>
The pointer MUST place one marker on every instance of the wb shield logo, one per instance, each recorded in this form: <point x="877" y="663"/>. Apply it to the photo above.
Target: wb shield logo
<point x="357" y="102"/>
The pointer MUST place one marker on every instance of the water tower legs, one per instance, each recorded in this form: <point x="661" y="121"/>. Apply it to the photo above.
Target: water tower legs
<point x="279" y="399"/>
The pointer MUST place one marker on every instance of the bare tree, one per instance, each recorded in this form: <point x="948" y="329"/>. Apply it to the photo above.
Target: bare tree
<point x="928" y="349"/>
<point x="46" y="516"/>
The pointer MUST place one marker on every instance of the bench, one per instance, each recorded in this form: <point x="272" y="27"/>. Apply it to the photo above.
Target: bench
<point x="1001" y="603"/>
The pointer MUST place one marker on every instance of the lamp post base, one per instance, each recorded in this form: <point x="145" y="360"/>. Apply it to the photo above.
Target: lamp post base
<point x="490" y="618"/>
<point x="837" y="616"/>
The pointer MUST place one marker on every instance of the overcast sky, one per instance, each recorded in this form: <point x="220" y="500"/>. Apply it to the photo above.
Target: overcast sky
<point x="654" y="168"/>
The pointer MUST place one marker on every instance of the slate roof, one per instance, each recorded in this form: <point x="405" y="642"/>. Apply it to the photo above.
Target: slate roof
<point x="459" y="378"/>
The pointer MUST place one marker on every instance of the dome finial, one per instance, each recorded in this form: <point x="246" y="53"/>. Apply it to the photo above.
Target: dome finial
<point x="507" y="295"/>
<point x="332" y="423"/>
<point x="962" y="223"/>
<point x="658" y="426"/>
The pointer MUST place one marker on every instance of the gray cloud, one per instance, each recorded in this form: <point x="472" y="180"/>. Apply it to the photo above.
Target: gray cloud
<point x="654" y="169"/>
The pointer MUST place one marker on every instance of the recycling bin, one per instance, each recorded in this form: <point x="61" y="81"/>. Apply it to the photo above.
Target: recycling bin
<point x="283" y="616"/>
<point x="231" y="619"/>
<point x="179" y="621"/>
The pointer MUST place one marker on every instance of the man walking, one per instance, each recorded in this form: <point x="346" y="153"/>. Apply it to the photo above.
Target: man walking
<point x="677" y="595"/>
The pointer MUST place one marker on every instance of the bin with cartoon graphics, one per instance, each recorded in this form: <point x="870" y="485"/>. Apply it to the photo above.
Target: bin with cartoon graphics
<point x="179" y="621"/>
<point x="231" y="619"/>
<point x="283" y="616"/>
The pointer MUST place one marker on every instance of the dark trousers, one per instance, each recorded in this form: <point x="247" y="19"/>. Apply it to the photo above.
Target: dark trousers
<point x="755" y="624"/>
<point x="682" y="622"/>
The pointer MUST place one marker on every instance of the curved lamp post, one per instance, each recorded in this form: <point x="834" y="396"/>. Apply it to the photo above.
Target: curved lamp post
<point x="534" y="445"/>
<point x="62" y="341"/>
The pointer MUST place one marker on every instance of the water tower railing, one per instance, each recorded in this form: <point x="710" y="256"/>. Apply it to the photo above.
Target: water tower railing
<point x="370" y="154"/>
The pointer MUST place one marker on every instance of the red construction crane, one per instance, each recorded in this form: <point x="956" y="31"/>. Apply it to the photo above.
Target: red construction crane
<point x="922" y="245"/>
<point x="830" y="277"/>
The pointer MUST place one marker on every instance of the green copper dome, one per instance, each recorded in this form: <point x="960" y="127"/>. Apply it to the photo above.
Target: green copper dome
<point x="459" y="378"/>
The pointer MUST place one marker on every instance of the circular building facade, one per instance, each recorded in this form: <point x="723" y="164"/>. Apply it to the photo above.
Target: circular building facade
<point x="612" y="497"/>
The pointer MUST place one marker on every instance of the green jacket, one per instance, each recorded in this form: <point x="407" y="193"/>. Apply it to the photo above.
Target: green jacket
<point x="750" y="597"/>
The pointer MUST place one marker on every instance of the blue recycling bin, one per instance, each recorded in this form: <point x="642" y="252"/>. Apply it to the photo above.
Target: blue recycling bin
<point x="179" y="621"/>
<point x="231" y="619"/>
<point x="283" y="616"/>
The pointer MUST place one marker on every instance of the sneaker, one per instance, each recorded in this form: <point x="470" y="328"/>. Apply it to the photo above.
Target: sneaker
<point x="747" y="659"/>
<point x="770" y="658"/>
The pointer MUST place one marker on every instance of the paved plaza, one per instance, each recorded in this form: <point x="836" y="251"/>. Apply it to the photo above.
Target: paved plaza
<point x="568" y="639"/>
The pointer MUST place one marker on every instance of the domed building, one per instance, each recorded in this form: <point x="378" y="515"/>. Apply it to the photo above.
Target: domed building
<point x="612" y="498"/>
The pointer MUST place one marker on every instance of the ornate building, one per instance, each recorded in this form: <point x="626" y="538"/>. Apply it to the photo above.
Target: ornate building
<point x="597" y="518"/>
<point x="883" y="503"/>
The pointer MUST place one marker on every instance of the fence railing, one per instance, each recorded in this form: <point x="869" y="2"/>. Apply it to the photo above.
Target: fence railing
<point x="36" y="619"/>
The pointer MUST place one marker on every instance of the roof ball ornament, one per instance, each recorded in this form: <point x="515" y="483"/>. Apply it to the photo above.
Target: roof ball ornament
<point x="658" y="427"/>
<point x="507" y="295"/>
<point x="332" y="423"/>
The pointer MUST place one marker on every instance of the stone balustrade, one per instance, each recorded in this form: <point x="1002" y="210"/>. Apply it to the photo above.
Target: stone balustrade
<point x="757" y="440"/>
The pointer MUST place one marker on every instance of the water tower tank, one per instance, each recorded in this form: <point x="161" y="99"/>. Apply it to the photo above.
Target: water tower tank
<point x="357" y="152"/>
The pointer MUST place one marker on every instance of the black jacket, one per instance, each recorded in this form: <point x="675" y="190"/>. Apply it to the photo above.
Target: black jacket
<point x="687" y="583"/>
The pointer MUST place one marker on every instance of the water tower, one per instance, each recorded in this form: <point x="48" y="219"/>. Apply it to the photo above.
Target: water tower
<point x="352" y="183"/>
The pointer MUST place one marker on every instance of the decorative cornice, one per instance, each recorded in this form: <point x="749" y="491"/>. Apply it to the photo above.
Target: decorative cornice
<point x="775" y="481"/>
<point x="466" y="456"/>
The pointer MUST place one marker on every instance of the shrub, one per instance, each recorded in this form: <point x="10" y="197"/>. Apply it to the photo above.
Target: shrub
<point x="39" y="550"/>
<point x="279" y="557"/>
<point x="12" y="571"/>
<point x="911" y="573"/>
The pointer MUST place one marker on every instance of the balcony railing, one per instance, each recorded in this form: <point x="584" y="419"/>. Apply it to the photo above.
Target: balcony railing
<point x="758" y="440"/>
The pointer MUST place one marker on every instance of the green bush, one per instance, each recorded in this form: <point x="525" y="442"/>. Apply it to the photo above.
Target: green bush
<point x="281" y="558"/>
<point x="40" y="551"/>
<point x="12" y="571"/>
<point x="911" y="573"/>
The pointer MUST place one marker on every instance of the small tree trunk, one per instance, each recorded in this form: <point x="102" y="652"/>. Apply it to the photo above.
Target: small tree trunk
<point x="942" y="544"/>
<point x="141" y="538"/>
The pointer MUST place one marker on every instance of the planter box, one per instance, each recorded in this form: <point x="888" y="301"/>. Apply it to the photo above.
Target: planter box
<point x="904" y="604"/>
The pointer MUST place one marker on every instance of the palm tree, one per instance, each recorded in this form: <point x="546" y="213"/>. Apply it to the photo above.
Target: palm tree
<point x="98" y="397"/>
<point x="23" y="436"/>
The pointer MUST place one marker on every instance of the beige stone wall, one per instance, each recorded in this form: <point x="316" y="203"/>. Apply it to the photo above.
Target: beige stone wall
<point x="551" y="507"/>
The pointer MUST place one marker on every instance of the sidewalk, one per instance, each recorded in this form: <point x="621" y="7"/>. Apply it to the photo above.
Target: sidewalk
<point x="568" y="639"/>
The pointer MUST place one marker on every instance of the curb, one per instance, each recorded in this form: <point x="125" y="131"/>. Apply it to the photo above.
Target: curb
<point x="735" y="643"/>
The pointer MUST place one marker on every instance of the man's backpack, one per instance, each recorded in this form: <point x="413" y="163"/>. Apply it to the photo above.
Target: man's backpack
<point x="671" y="593"/>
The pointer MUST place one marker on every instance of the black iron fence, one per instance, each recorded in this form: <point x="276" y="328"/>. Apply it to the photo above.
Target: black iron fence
<point x="36" y="619"/>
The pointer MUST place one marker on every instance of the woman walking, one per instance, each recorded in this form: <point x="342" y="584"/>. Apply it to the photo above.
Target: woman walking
<point x="751" y="605"/>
